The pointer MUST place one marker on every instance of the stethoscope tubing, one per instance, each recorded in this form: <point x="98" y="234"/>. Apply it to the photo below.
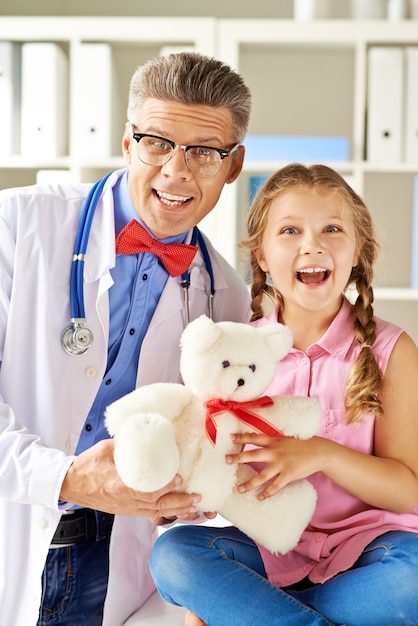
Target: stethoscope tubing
<point x="198" y="239"/>
<point x="80" y="248"/>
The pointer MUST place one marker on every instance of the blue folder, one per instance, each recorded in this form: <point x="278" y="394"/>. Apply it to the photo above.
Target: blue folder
<point x="295" y="148"/>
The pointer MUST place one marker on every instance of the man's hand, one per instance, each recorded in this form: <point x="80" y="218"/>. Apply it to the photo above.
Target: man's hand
<point x="93" y="482"/>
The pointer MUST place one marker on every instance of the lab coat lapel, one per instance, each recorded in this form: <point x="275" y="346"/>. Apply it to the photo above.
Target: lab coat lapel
<point x="100" y="254"/>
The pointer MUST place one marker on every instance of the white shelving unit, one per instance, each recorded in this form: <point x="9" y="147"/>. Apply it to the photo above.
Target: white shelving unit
<point x="307" y="78"/>
<point x="132" y="40"/>
<point x="310" y="78"/>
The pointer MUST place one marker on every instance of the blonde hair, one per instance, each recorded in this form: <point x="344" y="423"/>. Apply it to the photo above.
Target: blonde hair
<point x="192" y="78"/>
<point x="362" y="392"/>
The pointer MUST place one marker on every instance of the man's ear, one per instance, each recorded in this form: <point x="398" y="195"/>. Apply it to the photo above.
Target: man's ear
<point x="127" y="143"/>
<point x="237" y="163"/>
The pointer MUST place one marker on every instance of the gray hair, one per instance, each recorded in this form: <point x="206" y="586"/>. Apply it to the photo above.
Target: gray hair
<point x="191" y="78"/>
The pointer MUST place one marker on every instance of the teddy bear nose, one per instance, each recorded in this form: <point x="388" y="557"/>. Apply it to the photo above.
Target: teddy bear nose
<point x="240" y="382"/>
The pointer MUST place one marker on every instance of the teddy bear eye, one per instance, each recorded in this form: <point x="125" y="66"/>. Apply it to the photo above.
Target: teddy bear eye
<point x="252" y="367"/>
<point x="226" y="363"/>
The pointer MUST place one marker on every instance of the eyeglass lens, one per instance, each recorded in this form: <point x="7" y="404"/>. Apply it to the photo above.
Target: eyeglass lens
<point x="200" y="160"/>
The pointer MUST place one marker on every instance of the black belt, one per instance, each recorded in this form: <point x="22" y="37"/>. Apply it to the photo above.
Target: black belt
<point x="82" y="525"/>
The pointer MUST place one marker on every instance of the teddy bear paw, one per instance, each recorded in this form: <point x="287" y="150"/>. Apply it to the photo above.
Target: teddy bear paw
<point x="146" y="454"/>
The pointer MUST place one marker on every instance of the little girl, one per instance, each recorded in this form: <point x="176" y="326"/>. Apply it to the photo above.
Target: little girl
<point x="357" y="562"/>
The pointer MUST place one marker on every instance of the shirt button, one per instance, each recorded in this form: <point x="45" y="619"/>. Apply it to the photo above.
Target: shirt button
<point x="144" y="276"/>
<point x="108" y="381"/>
<point x="304" y="360"/>
<point x="132" y="331"/>
<point x="42" y="522"/>
<point x="88" y="427"/>
<point x="90" y="372"/>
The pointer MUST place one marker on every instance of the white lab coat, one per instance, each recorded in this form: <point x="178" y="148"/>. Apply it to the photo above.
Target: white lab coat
<point x="46" y="394"/>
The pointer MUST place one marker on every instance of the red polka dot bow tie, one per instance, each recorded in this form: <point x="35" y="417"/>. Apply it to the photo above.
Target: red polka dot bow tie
<point x="176" y="257"/>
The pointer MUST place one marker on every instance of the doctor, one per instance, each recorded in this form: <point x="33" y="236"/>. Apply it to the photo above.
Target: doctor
<point x="74" y="541"/>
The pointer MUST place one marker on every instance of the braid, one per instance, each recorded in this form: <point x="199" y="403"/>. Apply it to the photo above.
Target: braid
<point x="259" y="288"/>
<point x="364" y="384"/>
<point x="256" y="223"/>
<point x="365" y="379"/>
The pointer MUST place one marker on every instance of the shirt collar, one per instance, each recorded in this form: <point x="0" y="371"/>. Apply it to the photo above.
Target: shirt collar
<point x="125" y="210"/>
<point x="339" y="337"/>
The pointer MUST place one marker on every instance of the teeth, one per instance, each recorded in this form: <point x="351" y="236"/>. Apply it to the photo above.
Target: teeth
<point x="171" y="199"/>
<point x="312" y="270"/>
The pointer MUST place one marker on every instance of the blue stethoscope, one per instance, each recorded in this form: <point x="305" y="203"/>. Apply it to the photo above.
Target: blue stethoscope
<point x="76" y="338"/>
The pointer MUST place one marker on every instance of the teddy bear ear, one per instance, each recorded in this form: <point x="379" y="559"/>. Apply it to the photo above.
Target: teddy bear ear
<point x="200" y="335"/>
<point x="278" y="338"/>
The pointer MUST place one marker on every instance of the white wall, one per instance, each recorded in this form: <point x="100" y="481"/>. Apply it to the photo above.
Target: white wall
<point x="195" y="8"/>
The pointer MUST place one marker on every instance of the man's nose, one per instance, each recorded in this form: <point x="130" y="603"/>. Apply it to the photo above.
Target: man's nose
<point x="176" y="164"/>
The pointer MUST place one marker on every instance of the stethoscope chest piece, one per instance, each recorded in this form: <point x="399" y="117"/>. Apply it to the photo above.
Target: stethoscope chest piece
<point x="76" y="339"/>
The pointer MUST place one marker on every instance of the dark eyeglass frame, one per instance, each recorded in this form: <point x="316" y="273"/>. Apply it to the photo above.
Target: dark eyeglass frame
<point x="222" y="153"/>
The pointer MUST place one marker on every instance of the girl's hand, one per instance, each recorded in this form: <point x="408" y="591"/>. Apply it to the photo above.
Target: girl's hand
<point x="285" y="460"/>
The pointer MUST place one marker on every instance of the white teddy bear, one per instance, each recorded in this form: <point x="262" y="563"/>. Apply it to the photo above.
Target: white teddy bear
<point x="166" y="428"/>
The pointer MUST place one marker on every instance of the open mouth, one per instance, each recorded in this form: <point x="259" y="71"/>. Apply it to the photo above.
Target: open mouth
<point x="171" y="200"/>
<point x="312" y="275"/>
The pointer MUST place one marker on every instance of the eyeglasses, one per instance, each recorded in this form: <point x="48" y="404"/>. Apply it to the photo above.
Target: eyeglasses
<point x="201" y="160"/>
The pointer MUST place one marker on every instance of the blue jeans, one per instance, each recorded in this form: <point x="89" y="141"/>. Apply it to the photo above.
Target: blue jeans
<point x="219" y="575"/>
<point x="74" y="583"/>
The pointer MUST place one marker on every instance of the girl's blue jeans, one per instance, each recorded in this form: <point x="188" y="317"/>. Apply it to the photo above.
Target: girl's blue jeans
<point x="219" y="575"/>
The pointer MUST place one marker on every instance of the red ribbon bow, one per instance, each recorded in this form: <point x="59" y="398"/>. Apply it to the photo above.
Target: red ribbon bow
<point x="176" y="257"/>
<point x="240" y="410"/>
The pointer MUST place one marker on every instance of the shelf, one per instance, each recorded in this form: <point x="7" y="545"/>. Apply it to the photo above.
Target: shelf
<point x="235" y="32"/>
<point x="403" y="295"/>
<point x="361" y="166"/>
<point x="173" y="30"/>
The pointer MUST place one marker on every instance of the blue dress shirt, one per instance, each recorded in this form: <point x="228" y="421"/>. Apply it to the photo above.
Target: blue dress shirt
<point x="139" y="280"/>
